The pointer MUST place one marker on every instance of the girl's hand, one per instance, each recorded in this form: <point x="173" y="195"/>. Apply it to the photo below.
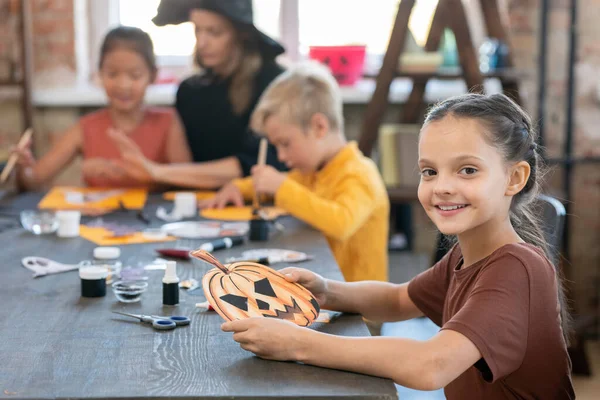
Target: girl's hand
<point x="315" y="283"/>
<point x="133" y="161"/>
<point x="269" y="338"/>
<point x="25" y="156"/>
<point x="102" y="169"/>
<point x="267" y="179"/>
<point x="229" y="194"/>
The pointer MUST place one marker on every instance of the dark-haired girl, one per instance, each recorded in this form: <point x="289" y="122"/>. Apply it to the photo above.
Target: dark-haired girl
<point x="127" y="66"/>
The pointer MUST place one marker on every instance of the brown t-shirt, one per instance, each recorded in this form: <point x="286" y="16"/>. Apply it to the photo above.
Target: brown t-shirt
<point x="507" y="305"/>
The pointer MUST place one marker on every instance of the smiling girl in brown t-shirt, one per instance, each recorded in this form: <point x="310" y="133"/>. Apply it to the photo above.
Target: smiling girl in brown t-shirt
<point x="495" y="295"/>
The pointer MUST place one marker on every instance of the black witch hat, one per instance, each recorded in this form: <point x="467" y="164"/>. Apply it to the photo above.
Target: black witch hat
<point x="173" y="12"/>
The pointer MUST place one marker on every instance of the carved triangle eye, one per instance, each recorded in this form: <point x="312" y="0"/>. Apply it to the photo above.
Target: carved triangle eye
<point x="237" y="301"/>
<point x="262" y="305"/>
<point x="264" y="287"/>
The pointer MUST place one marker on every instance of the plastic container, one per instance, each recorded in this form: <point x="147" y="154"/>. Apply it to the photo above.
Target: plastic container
<point x="93" y="281"/>
<point x="39" y="222"/>
<point x="129" y="291"/>
<point x="345" y="62"/>
<point x="68" y="223"/>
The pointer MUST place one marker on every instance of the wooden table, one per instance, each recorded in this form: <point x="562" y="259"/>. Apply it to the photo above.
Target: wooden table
<point x="56" y="344"/>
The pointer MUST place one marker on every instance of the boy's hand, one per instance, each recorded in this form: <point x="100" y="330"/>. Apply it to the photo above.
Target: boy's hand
<point x="228" y="194"/>
<point x="315" y="283"/>
<point x="267" y="179"/>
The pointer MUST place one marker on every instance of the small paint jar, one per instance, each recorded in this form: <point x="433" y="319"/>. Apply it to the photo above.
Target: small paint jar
<point x="259" y="230"/>
<point x="93" y="281"/>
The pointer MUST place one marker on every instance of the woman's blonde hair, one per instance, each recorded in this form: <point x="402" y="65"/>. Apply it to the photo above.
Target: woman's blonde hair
<point x="245" y="65"/>
<point x="299" y="93"/>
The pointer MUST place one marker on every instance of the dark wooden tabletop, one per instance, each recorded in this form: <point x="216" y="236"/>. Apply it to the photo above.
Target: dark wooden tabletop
<point x="55" y="344"/>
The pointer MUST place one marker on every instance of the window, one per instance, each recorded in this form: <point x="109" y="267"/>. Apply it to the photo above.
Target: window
<point x="301" y="24"/>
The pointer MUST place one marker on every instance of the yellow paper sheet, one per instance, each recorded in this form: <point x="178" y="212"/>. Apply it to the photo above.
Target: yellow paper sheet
<point x="200" y="195"/>
<point x="103" y="237"/>
<point x="239" y="213"/>
<point x="58" y="198"/>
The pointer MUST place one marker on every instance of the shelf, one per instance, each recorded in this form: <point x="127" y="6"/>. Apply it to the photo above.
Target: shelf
<point x="8" y="83"/>
<point x="505" y="74"/>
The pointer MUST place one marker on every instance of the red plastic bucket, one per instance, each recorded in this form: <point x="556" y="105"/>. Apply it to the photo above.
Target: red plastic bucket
<point x="345" y="62"/>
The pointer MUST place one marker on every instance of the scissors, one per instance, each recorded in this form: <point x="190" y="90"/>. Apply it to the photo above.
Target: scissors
<point x="43" y="266"/>
<point x="158" y="322"/>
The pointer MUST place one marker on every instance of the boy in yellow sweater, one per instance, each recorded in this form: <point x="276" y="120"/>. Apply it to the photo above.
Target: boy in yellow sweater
<point x="331" y="184"/>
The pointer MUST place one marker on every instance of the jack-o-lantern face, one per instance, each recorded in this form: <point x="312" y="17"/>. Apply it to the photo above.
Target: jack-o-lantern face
<point x="245" y="289"/>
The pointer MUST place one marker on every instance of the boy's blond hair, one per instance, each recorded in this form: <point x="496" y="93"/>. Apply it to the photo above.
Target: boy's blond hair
<point x="298" y="94"/>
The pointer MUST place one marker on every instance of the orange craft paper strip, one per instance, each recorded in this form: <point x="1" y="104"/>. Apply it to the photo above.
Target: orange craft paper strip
<point x="103" y="237"/>
<point x="239" y="213"/>
<point x="93" y="198"/>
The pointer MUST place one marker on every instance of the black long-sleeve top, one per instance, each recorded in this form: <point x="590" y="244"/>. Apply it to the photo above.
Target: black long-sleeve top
<point x="213" y="130"/>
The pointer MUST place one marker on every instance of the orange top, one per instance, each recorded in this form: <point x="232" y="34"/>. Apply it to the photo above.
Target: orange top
<point x="150" y="135"/>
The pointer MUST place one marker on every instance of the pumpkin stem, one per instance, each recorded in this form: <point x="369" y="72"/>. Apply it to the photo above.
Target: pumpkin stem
<point x="209" y="258"/>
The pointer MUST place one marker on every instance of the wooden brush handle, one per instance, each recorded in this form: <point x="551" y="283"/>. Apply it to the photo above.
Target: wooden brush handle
<point x="262" y="160"/>
<point x="12" y="160"/>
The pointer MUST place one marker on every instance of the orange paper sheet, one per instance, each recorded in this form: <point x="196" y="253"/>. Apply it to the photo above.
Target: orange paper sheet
<point x="103" y="237"/>
<point x="62" y="198"/>
<point x="239" y="213"/>
<point x="200" y="195"/>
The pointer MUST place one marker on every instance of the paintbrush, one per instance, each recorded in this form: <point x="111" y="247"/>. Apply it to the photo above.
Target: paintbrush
<point x="262" y="159"/>
<point x="12" y="160"/>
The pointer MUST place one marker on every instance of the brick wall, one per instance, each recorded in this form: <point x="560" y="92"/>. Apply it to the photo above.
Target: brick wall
<point x="53" y="37"/>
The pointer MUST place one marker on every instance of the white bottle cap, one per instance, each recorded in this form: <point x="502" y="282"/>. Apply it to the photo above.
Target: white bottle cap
<point x="171" y="273"/>
<point x="93" y="273"/>
<point x="107" y="253"/>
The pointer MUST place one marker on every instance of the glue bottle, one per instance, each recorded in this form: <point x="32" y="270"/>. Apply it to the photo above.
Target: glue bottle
<point x="171" y="285"/>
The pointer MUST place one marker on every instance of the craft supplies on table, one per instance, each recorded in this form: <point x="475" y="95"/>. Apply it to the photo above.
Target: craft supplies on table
<point x="158" y="322"/>
<point x="42" y="266"/>
<point x="39" y="222"/>
<point x="273" y="256"/>
<point x="129" y="291"/>
<point x="200" y="195"/>
<point x="93" y="281"/>
<point x="171" y="285"/>
<point x="205" y="229"/>
<point x="68" y="223"/>
<point x="105" y="237"/>
<point x="243" y="290"/>
<point x="241" y="213"/>
<point x="90" y="199"/>
<point x="12" y="160"/>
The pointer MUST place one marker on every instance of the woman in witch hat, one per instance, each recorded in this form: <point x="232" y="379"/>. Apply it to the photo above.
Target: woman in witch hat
<point x="238" y="63"/>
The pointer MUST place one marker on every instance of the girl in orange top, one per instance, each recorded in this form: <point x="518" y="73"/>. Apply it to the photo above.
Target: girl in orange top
<point x="127" y="67"/>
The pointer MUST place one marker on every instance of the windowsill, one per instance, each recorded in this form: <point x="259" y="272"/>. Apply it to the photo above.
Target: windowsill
<point x="164" y="94"/>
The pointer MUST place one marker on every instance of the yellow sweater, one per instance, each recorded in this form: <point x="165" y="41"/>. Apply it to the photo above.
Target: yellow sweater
<point x="348" y="202"/>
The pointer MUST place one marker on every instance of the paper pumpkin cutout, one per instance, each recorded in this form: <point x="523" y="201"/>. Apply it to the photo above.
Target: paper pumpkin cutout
<point x="246" y="289"/>
<point x="85" y="199"/>
<point x="200" y="195"/>
<point x="240" y="213"/>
